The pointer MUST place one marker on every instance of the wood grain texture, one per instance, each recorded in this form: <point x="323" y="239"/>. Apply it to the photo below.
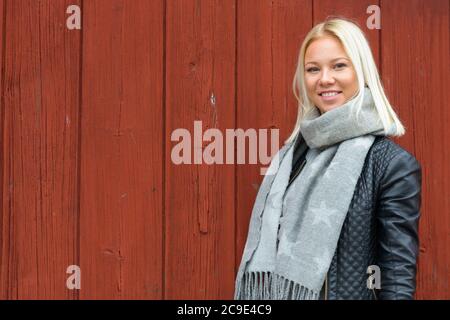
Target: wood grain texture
<point x="39" y="151"/>
<point x="415" y="53"/>
<point x="121" y="150"/>
<point x="199" y="202"/>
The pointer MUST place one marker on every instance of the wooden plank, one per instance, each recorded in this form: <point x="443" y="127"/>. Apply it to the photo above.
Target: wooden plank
<point x="416" y="75"/>
<point x="200" y="208"/>
<point x="4" y="242"/>
<point x="270" y="34"/>
<point x="121" y="150"/>
<point x="40" y="150"/>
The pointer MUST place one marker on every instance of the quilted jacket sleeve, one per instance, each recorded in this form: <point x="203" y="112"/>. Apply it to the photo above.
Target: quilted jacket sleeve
<point x="397" y="227"/>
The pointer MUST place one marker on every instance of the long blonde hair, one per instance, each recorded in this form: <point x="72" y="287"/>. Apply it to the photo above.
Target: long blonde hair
<point x="357" y="48"/>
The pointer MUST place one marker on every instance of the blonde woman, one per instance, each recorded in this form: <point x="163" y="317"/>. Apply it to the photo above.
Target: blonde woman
<point x="338" y="219"/>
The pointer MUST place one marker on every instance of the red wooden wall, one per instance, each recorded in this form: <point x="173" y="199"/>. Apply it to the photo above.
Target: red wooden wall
<point x="87" y="116"/>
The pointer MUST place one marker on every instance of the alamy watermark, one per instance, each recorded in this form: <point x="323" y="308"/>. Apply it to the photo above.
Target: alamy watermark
<point x="74" y="20"/>
<point x="374" y="280"/>
<point x="373" y="21"/>
<point x="221" y="149"/>
<point x="74" y="280"/>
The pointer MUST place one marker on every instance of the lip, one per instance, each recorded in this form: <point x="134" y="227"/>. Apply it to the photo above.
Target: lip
<point x="331" y="98"/>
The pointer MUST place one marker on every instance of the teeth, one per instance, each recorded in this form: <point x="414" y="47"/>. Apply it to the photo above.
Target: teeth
<point x="329" y="94"/>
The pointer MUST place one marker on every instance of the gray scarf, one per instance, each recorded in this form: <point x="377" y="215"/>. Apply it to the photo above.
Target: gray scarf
<point x="293" y="233"/>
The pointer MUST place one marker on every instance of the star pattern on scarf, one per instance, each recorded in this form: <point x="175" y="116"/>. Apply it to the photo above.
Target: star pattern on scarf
<point x="322" y="259"/>
<point x="287" y="247"/>
<point x="323" y="213"/>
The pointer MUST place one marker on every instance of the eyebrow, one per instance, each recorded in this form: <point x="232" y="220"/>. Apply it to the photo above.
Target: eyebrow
<point x="331" y="60"/>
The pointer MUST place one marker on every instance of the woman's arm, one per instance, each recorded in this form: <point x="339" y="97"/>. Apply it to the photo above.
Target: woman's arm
<point x="397" y="227"/>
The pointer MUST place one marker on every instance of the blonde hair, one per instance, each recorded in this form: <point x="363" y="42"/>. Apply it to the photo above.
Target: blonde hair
<point x="357" y="48"/>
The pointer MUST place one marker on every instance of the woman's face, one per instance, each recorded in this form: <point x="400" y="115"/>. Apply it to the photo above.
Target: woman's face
<point x="330" y="78"/>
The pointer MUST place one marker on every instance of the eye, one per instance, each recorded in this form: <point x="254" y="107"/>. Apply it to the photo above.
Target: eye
<point x="312" y="69"/>
<point x="340" y="65"/>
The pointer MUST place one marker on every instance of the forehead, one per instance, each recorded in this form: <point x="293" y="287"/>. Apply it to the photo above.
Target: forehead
<point x="324" y="49"/>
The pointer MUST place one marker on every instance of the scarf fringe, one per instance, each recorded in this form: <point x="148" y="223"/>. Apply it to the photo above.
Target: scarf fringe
<point x="263" y="285"/>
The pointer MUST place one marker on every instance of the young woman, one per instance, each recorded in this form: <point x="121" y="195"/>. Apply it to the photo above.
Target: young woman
<point x="339" y="218"/>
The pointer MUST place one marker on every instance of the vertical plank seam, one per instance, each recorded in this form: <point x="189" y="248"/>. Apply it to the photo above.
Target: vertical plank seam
<point x="164" y="119"/>
<point x="78" y="171"/>
<point x="414" y="113"/>
<point x="415" y="154"/>
<point x="40" y="207"/>
<point x="3" y="111"/>
<point x="380" y="42"/>
<point x="236" y="44"/>
<point x="271" y="64"/>
<point x="447" y="151"/>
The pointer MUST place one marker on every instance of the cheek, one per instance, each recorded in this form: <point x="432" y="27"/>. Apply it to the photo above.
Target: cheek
<point x="310" y="84"/>
<point x="349" y="81"/>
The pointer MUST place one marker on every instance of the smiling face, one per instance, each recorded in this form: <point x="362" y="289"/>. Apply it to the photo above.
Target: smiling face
<point x="330" y="78"/>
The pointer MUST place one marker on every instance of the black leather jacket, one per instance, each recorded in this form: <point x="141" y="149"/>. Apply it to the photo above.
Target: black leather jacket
<point x="381" y="226"/>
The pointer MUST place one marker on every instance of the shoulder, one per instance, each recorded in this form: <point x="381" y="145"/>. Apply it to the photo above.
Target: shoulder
<point x="392" y="161"/>
<point x="385" y="150"/>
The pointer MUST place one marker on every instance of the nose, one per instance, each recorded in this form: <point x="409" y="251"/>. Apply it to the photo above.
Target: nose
<point x="326" y="78"/>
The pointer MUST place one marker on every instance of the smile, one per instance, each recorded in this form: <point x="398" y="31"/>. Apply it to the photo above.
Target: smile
<point x="329" y="95"/>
